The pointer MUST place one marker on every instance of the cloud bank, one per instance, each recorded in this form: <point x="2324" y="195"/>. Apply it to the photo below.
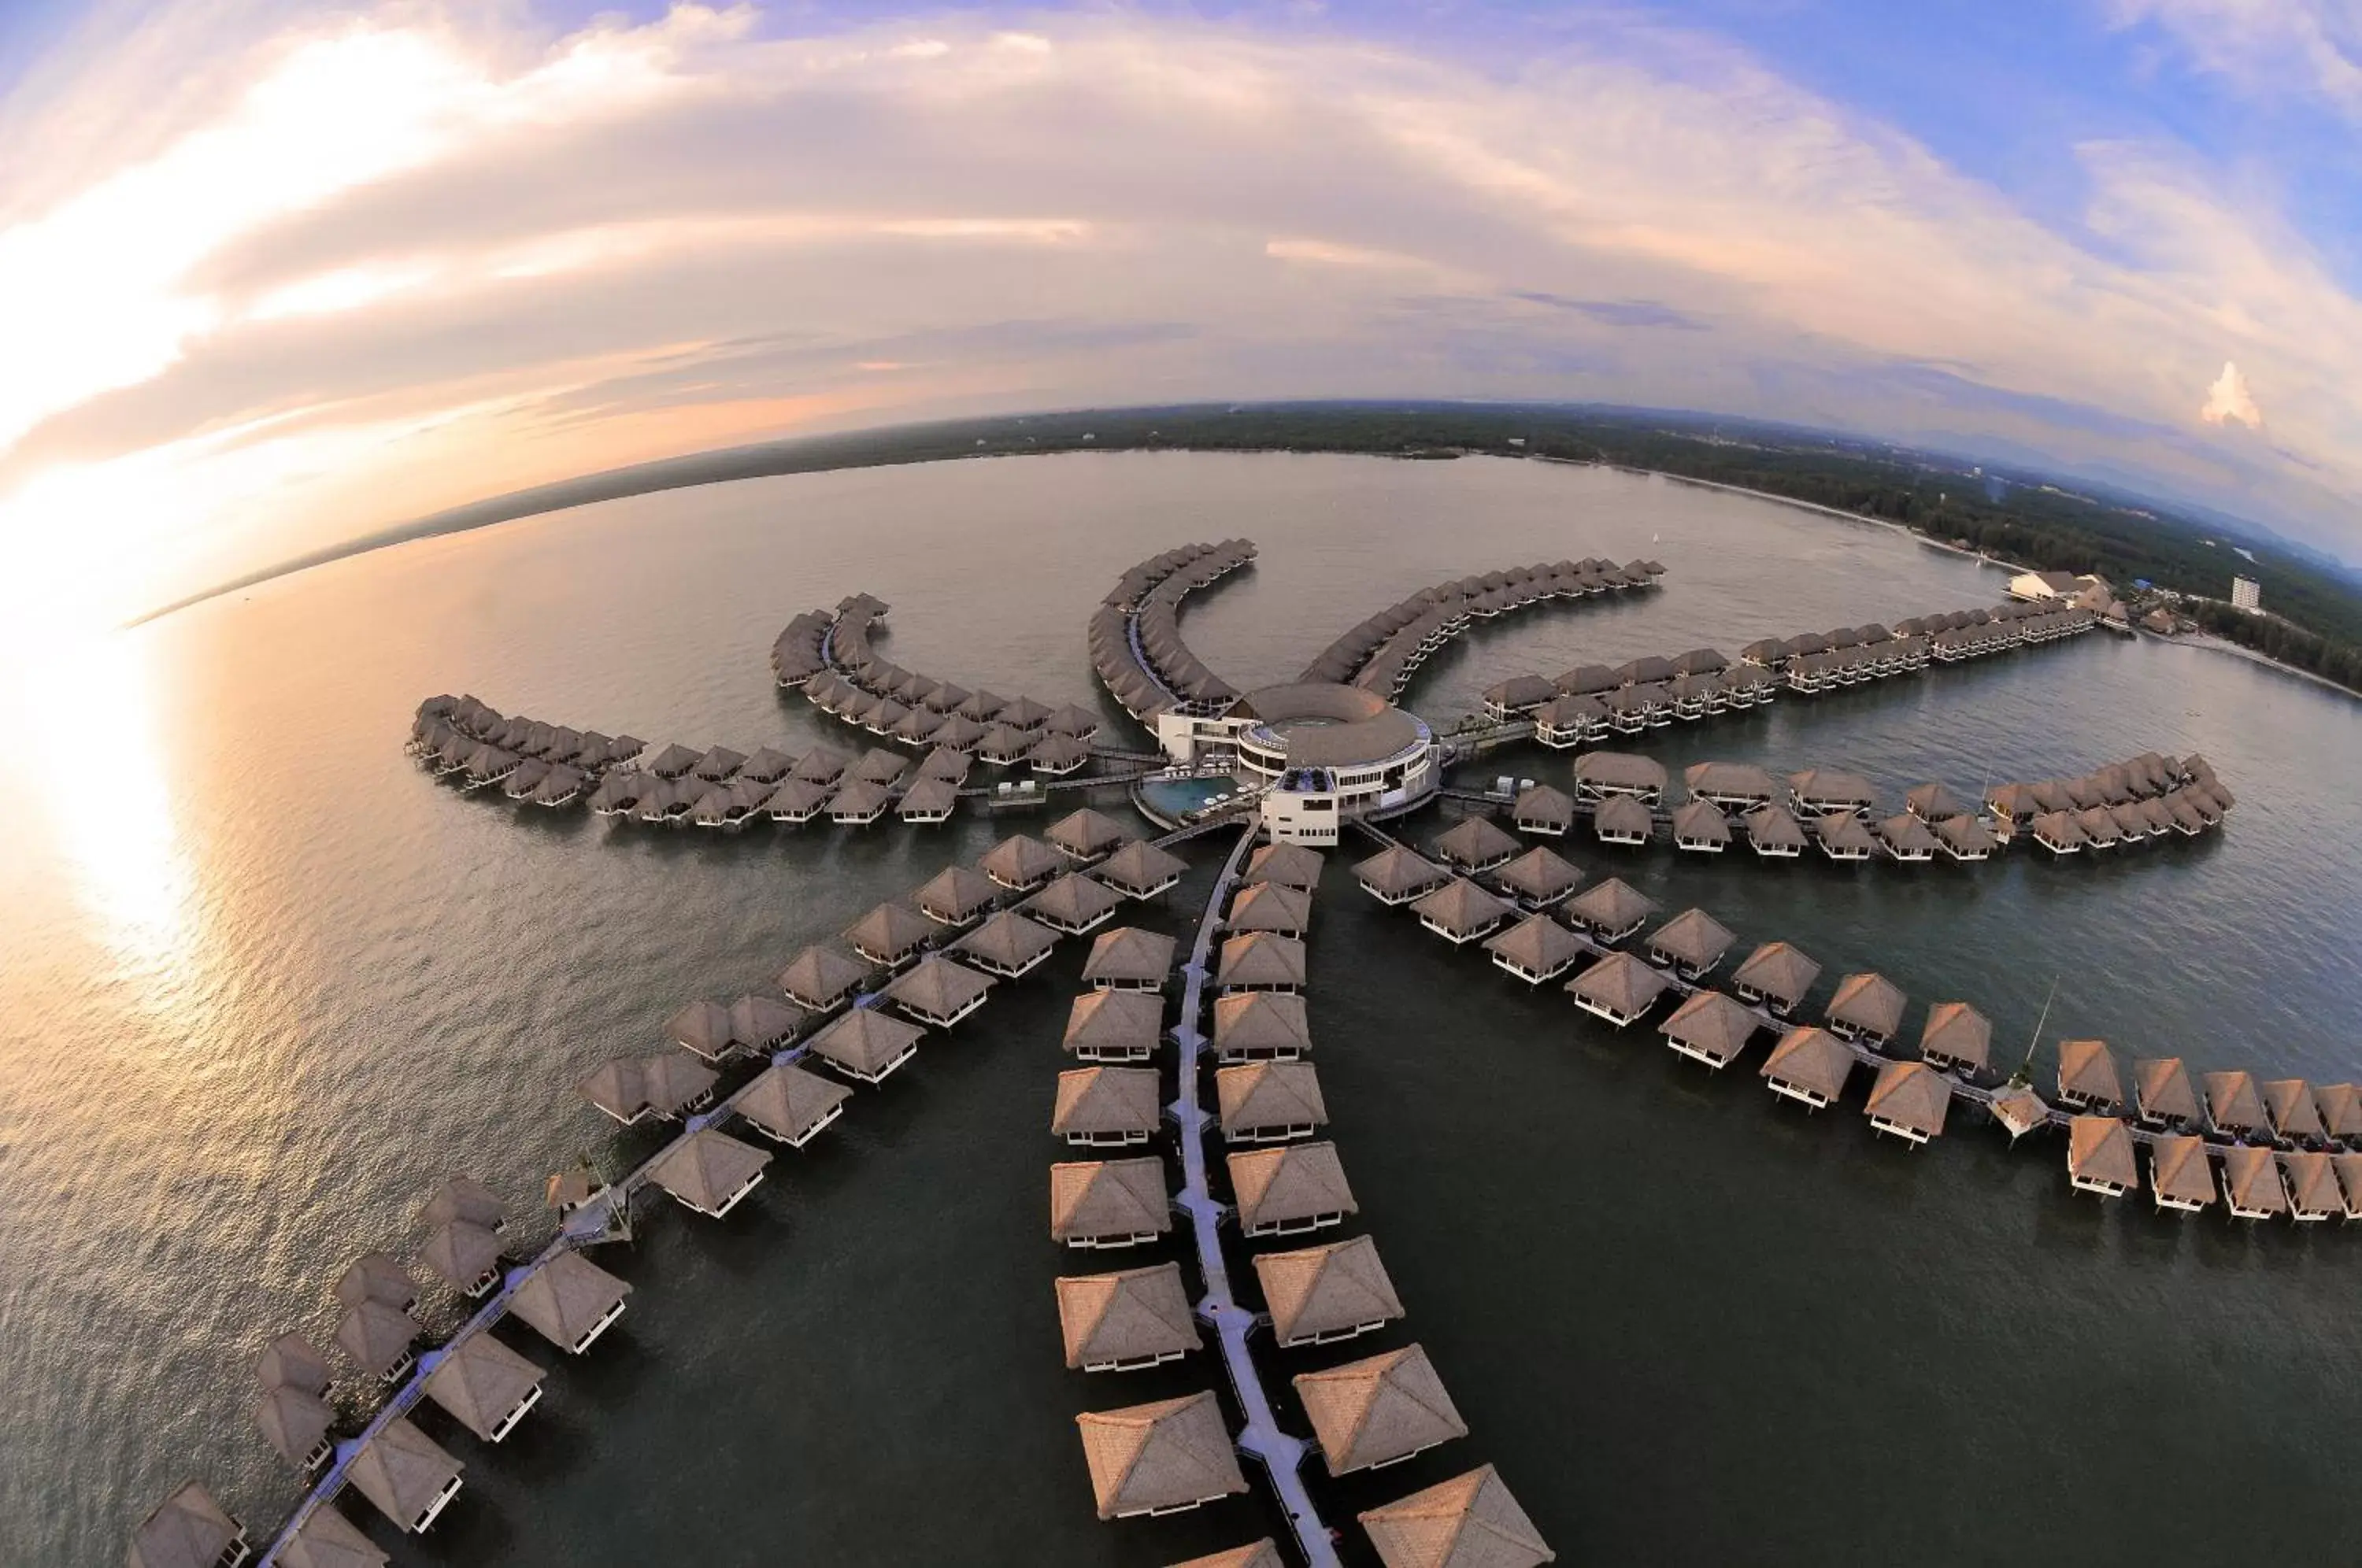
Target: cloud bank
<point x="287" y="279"/>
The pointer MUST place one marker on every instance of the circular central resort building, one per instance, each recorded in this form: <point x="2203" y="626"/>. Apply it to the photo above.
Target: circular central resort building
<point x="1317" y="752"/>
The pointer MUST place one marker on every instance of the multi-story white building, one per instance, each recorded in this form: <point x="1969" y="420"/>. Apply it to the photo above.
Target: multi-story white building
<point x="2248" y="594"/>
<point x="1315" y="753"/>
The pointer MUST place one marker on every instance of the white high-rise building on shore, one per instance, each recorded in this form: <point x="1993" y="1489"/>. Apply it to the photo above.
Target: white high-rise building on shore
<point x="2248" y="594"/>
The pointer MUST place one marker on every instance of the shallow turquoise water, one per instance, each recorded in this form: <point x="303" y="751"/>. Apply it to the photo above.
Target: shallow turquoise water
<point x="263" y="981"/>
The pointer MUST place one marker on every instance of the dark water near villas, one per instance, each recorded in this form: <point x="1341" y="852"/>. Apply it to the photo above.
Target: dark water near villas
<point x="264" y="980"/>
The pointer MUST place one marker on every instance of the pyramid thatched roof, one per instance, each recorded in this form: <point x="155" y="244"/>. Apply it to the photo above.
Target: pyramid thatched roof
<point x="1021" y="861"/>
<point x="1294" y="1181"/>
<point x="1540" y="875"/>
<point x="292" y="1361"/>
<point x="673" y="1080"/>
<point x="1912" y="1095"/>
<point x="1137" y="867"/>
<point x="890" y="931"/>
<point x="1109" y="1197"/>
<point x="1611" y="906"/>
<point x="1618" y="770"/>
<point x="1469" y="1521"/>
<point x="462" y="1198"/>
<point x="1074" y="901"/>
<point x="1381" y="1408"/>
<point x="2232" y="1103"/>
<point x="1620" y="982"/>
<point x="938" y="988"/>
<point x="786" y="1100"/>
<point x="1957" y="1032"/>
<point x="401" y="1470"/>
<point x="958" y="894"/>
<point x="760" y="1023"/>
<point x="1162" y="1455"/>
<point x="1778" y="971"/>
<point x="480" y="1380"/>
<point x="1731" y="781"/>
<point x="707" y="1168"/>
<point x="2251" y="1180"/>
<point x="2289" y="1102"/>
<point x="865" y="1040"/>
<point x="1261" y="958"/>
<point x="1129" y="955"/>
<point x="2099" y="1148"/>
<point x="1396" y="872"/>
<point x="1269" y="1094"/>
<point x="1545" y="806"/>
<point x="1318" y="1290"/>
<point x="328" y="1540"/>
<point x="1126" y="1316"/>
<point x="1086" y="833"/>
<point x="1289" y="865"/>
<point x="1261" y="1021"/>
<point x="1106" y="1099"/>
<point x="376" y="1336"/>
<point x="1774" y="827"/>
<point x="376" y="1276"/>
<point x="1623" y="816"/>
<point x="2341" y="1109"/>
<point x="1261" y="1554"/>
<point x="1267" y="906"/>
<point x="1008" y="939"/>
<point x="702" y="1027"/>
<point x="1538" y="945"/>
<point x="1474" y="843"/>
<point x="1462" y="908"/>
<point x="293" y="1422"/>
<point x="1694" y="938"/>
<point x="2087" y="1068"/>
<point x="1870" y="1002"/>
<point x="1811" y="1059"/>
<point x="187" y="1529"/>
<point x="1713" y="1025"/>
<point x="2161" y="1088"/>
<point x="2178" y="1169"/>
<point x="2312" y="1184"/>
<point x="1110" y="1020"/>
<point x="2019" y="1110"/>
<point x="821" y="976"/>
<point x="565" y="1298"/>
<point x="460" y="1254"/>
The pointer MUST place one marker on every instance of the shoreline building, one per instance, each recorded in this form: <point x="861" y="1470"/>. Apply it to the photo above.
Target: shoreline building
<point x="2248" y="594"/>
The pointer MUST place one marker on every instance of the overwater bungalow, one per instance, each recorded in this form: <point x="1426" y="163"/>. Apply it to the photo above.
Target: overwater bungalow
<point x="703" y="1029"/>
<point x="465" y="1256"/>
<point x="1266" y="906"/>
<point x="1469" y="1521"/>
<point x="1775" y="977"/>
<point x="917" y="727"/>
<point x="859" y="803"/>
<point x="1538" y="878"/>
<point x="820" y="979"/>
<point x="485" y="1386"/>
<point x="1819" y="791"/>
<point x="1842" y="837"/>
<point x="1909" y="1099"/>
<point x="1711" y="1028"/>
<point x="1320" y="1295"/>
<point x="1515" y="697"/>
<point x="676" y="1085"/>
<point x="1933" y="803"/>
<point x="189" y="1530"/>
<point x="1098" y="1204"/>
<point x="2179" y="1177"/>
<point x="1957" y="1038"/>
<point x="1623" y="820"/>
<point x="768" y="766"/>
<point x="2099" y="1156"/>
<point x="1700" y="828"/>
<point x="376" y="1276"/>
<point x="1691" y="945"/>
<point x="1867" y="1008"/>
<point x="570" y="1301"/>
<point x="961" y="734"/>
<point x="1475" y="844"/>
<point x="1905" y="838"/>
<point x="764" y="1023"/>
<point x="1536" y="949"/>
<point x="2100" y="829"/>
<point x="891" y="934"/>
<point x="1606" y="775"/>
<point x="1620" y="989"/>
<point x="295" y="1422"/>
<point x="1610" y="911"/>
<point x="797" y="801"/>
<point x="1734" y="786"/>
<point x="2019" y="1110"/>
<point x="957" y="896"/>
<point x="2289" y="1103"/>
<point x="1003" y="746"/>
<point x="1965" y="839"/>
<point x="1396" y="876"/>
<point x="1162" y="1458"/>
<point x="2059" y="833"/>
<point x="1588" y="681"/>
<point x="1773" y="833"/>
<point x="378" y="1338"/>
<point x="1260" y="1554"/>
<point x="1128" y="1320"/>
<point x="2349" y="1182"/>
<point x="1260" y="1026"/>
<point x="2012" y="803"/>
<point x="1076" y="722"/>
<point x="2311" y="1183"/>
<point x="944" y="763"/>
<point x="1139" y="870"/>
<point x="406" y="1474"/>
<point x="1459" y="912"/>
<point x="1115" y="1026"/>
<point x="1008" y="944"/>
<point x="2251" y="1183"/>
<point x="1378" y="1411"/>
<point x="674" y="761"/>
<point x="326" y="1538"/>
<point x="939" y="993"/>
<point x="1290" y="1189"/>
<point x="821" y="765"/>
<point x="2341" y="1109"/>
<point x="1085" y="836"/>
<point x="615" y="1087"/>
<point x="945" y="699"/>
<point x="2233" y="1105"/>
<point x="1288" y="865"/>
<point x="1570" y="720"/>
<point x="710" y="1172"/>
<point x="1809" y="1065"/>
<point x="1022" y="863"/>
<point x="1544" y="811"/>
<point x="1058" y="755"/>
<point x="1131" y="959"/>
<point x="1106" y="1107"/>
<point x="1258" y="961"/>
<point x="867" y="1044"/>
<point x="1074" y="904"/>
<point x="790" y="1105"/>
<point x="525" y="778"/>
<point x="717" y="765"/>
<point x="1269" y="1102"/>
<point x="291" y="1360"/>
<point x="490" y="765"/>
<point x="2088" y="1079"/>
<point x="464" y="1198"/>
<point x="2161" y="1093"/>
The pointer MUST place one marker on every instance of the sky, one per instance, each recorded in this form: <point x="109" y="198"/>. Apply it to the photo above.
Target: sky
<point x="285" y="273"/>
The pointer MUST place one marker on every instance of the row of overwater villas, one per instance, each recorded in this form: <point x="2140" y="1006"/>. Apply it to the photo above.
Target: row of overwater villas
<point x="479" y="1381"/>
<point x="1837" y="810"/>
<point x="872" y="692"/>
<point x="801" y="650"/>
<point x="1591" y="701"/>
<point x="551" y="765"/>
<point x="2317" y="1130"/>
<point x="1382" y="653"/>
<point x="1174" y="1455"/>
<point x="1136" y="633"/>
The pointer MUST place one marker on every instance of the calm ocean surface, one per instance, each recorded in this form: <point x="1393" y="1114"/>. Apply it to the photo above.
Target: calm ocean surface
<point x="262" y="980"/>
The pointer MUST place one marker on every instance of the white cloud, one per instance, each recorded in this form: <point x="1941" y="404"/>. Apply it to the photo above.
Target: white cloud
<point x="526" y="255"/>
<point x="2228" y="399"/>
<point x="2271" y="47"/>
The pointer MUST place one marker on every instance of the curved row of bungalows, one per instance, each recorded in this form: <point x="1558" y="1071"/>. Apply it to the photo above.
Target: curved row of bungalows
<point x="800" y="651"/>
<point x="1814" y="673"/>
<point x="1591" y="700"/>
<point x="1382" y="652"/>
<point x="1135" y="634"/>
<point x="2188" y="1175"/>
<point x="2126" y="803"/>
<point x="982" y="723"/>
